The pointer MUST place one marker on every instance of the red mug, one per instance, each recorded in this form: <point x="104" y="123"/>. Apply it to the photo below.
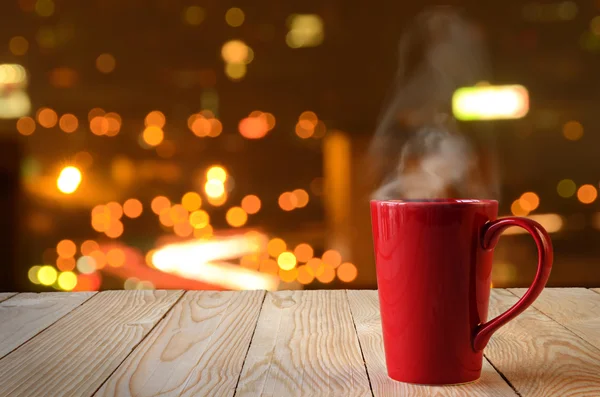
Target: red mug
<point x="434" y="267"/>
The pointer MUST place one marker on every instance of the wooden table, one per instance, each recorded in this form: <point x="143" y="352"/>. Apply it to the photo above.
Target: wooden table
<point x="288" y="343"/>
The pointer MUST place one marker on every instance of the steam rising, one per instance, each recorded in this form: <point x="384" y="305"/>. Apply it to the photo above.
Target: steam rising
<point x="418" y="151"/>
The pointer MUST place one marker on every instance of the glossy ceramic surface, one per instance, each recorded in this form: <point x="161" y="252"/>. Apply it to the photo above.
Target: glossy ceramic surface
<point x="434" y="264"/>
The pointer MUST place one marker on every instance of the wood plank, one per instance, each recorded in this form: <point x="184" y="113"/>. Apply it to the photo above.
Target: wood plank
<point x="578" y="309"/>
<point x="304" y="345"/>
<point x="5" y="295"/>
<point x="198" y="349"/>
<point x="540" y="357"/>
<point x="365" y="311"/>
<point x="25" y="315"/>
<point x="81" y="350"/>
<point x="596" y="290"/>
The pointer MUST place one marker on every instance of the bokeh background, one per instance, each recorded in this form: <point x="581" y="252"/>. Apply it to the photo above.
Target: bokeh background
<point x="211" y="144"/>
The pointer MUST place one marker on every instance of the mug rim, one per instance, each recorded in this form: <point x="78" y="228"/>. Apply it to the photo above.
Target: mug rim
<point x="427" y="202"/>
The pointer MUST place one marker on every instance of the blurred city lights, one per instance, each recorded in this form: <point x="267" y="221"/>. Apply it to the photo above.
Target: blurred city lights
<point x="88" y="246"/>
<point x="132" y="208"/>
<point x="305" y="30"/>
<point x="235" y="71"/>
<point x="490" y="102"/>
<point x="253" y="127"/>
<point x="214" y="188"/>
<point x="303" y="252"/>
<point x="115" y="210"/>
<point x="286" y="260"/>
<point x="288" y="276"/>
<point x="105" y="63"/>
<point x="234" y="52"/>
<point x="159" y="203"/>
<point x="18" y="45"/>
<point x="67" y="280"/>
<point x="69" y="180"/>
<point x="68" y="123"/>
<point x="99" y="258"/>
<point x="251" y="204"/>
<point x="234" y="17"/>
<point x="529" y="201"/>
<point x="347" y="272"/>
<point x="32" y="274"/>
<point x="301" y="198"/>
<point x="304" y="275"/>
<point x="193" y="15"/>
<point x="517" y="210"/>
<point x="99" y="125"/>
<point x="153" y="135"/>
<point x="12" y="74"/>
<point x="275" y="247"/>
<point x="199" y="219"/>
<point x="572" y="130"/>
<point x="155" y="118"/>
<point x="587" y="194"/>
<point x="26" y="126"/>
<point x="47" y="117"/>
<point x="191" y="201"/>
<point x="66" y="249"/>
<point x="566" y="188"/>
<point x="287" y="201"/>
<point x="217" y="173"/>
<point x="236" y="217"/>
<point x="86" y="264"/>
<point x="327" y="275"/>
<point x="65" y="264"/>
<point x="47" y="275"/>
<point x="115" y="230"/>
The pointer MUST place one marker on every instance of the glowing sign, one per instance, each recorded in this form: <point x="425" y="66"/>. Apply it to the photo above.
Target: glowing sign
<point x="490" y="102"/>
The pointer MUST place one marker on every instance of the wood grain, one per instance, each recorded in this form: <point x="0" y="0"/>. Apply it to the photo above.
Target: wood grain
<point x="5" y="295"/>
<point x="541" y="357"/>
<point x="198" y="349"/>
<point x="80" y="351"/>
<point x="25" y="315"/>
<point x="365" y="311"/>
<point x="596" y="290"/>
<point x="578" y="309"/>
<point x="304" y="345"/>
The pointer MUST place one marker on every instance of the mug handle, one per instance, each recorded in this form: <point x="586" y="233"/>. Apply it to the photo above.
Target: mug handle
<point x="489" y="237"/>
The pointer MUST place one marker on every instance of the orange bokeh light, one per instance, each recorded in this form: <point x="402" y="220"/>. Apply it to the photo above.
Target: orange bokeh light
<point x="287" y="201"/>
<point x="99" y="125"/>
<point x="115" y="229"/>
<point x="253" y="127"/>
<point x="68" y="123"/>
<point x="347" y="272"/>
<point x="115" y="210"/>
<point x="26" y="126"/>
<point x="303" y="252"/>
<point x="47" y="117"/>
<point x="332" y="257"/>
<point x="66" y="249"/>
<point x="115" y="257"/>
<point x="133" y="208"/>
<point x="66" y="264"/>
<point x="160" y="203"/>
<point x="88" y="246"/>
<point x="327" y="275"/>
<point x="304" y="275"/>
<point x="587" y="194"/>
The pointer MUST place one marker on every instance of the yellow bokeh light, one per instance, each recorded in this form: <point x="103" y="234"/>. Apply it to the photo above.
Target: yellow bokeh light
<point x="529" y="201"/>
<point x="44" y="8"/>
<point x="18" y="45"/>
<point x="47" y="275"/>
<point x="566" y="188"/>
<point x="306" y="30"/>
<point x="32" y="274"/>
<point x="572" y="130"/>
<point x="347" y="272"/>
<point x="159" y="203"/>
<point x="303" y="252"/>
<point x="288" y="276"/>
<point x="115" y="257"/>
<point x="106" y="63"/>
<point x="68" y="123"/>
<point x="327" y="275"/>
<point x="236" y="217"/>
<point x="235" y="71"/>
<point x="217" y="201"/>
<point x="67" y="281"/>
<point x="26" y="126"/>
<point x="490" y="102"/>
<point x="191" y="201"/>
<point x="286" y="260"/>
<point x="153" y="135"/>
<point x="216" y="172"/>
<point x="66" y="249"/>
<point x="332" y="257"/>
<point x="47" y="117"/>
<point x="275" y="247"/>
<point x="132" y="208"/>
<point x="234" y="17"/>
<point x="587" y="194"/>
<point x="234" y="52"/>
<point x="251" y="204"/>
<point x="155" y="118"/>
<point x="301" y="198"/>
<point x="205" y="232"/>
<point x="194" y="15"/>
<point x="517" y="210"/>
<point x="68" y="180"/>
<point x="214" y="188"/>
<point x="199" y="219"/>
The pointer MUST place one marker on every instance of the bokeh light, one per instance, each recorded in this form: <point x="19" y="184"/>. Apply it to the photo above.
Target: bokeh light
<point x="191" y="201"/>
<point x="47" y="117"/>
<point x="216" y="172"/>
<point x="66" y="249"/>
<point x="88" y="246"/>
<point x="572" y="130"/>
<point x="18" y="45"/>
<point x="106" y="63"/>
<point x="153" y="135"/>
<point x="26" y="126"/>
<point x="115" y="230"/>
<point x="286" y="260"/>
<point x="132" y="208"/>
<point x="193" y="15"/>
<point x="115" y="257"/>
<point x="253" y="127"/>
<point x="275" y="247"/>
<point x="214" y="188"/>
<point x="529" y="201"/>
<point x="183" y="229"/>
<point x="305" y="276"/>
<point x="303" y="252"/>
<point x="68" y="180"/>
<point x="47" y="275"/>
<point x="155" y="118"/>
<point x="235" y="71"/>
<point x="301" y="197"/>
<point x="236" y="217"/>
<point x="587" y="194"/>
<point x="115" y="210"/>
<point x="327" y="275"/>
<point x="199" y="219"/>
<point x="332" y="257"/>
<point x="234" y="52"/>
<point x="517" y="210"/>
<point x="251" y="204"/>
<point x="86" y="264"/>
<point x="67" y="281"/>
<point x="288" y="276"/>
<point x="65" y="264"/>
<point x="234" y="17"/>
<point x="44" y="8"/>
<point x="99" y="258"/>
<point x="287" y="201"/>
<point x="347" y="272"/>
<point x="269" y="266"/>
<point x="566" y="188"/>
<point x="159" y="203"/>
<point x="32" y="274"/>
<point x="305" y="30"/>
<point x="68" y="123"/>
<point x="99" y="125"/>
